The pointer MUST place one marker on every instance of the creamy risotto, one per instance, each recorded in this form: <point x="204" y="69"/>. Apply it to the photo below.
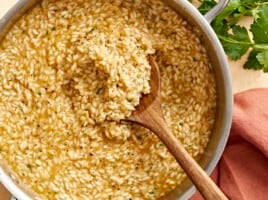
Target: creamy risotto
<point x="71" y="70"/>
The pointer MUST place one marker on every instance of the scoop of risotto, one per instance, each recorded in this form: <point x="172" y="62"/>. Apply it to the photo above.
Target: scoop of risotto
<point x="111" y="75"/>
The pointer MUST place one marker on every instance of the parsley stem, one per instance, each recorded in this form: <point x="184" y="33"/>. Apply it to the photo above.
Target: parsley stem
<point x="261" y="3"/>
<point x="254" y="45"/>
<point x="260" y="46"/>
<point x="234" y="41"/>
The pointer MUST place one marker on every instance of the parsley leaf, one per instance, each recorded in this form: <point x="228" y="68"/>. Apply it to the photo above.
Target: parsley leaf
<point x="252" y="62"/>
<point x="206" y="6"/>
<point x="263" y="59"/>
<point x="236" y="44"/>
<point x="234" y="38"/>
<point x="228" y="14"/>
<point x="259" y="28"/>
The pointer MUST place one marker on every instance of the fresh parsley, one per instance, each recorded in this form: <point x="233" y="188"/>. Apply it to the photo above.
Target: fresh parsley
<point x="29" y="166"/>
<point x="235" y="39"/>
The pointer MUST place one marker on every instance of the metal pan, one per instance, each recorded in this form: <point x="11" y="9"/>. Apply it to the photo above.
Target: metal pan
<point x="218" y="59"/>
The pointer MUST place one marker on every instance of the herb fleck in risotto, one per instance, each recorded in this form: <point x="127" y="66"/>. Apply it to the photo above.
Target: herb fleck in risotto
<point x="70" y="70"/>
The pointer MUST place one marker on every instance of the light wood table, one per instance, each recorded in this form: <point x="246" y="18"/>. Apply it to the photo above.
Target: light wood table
<point x="241" y="79"/>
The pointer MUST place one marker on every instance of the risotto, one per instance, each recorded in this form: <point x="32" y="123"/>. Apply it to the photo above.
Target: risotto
<point x="71" y="70"/>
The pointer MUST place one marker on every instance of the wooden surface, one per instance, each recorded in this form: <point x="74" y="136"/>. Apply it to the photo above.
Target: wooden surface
<point x="241" y="79"/>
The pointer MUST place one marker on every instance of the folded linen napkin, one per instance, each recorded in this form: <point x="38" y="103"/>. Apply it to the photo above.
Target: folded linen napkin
<point x="242" y="172"/>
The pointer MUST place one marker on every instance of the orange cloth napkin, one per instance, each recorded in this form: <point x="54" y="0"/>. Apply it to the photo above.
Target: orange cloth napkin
<point x="242" y="172"/>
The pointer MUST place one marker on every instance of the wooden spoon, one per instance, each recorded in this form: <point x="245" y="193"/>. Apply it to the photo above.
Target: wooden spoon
<point x="149" y="114"/>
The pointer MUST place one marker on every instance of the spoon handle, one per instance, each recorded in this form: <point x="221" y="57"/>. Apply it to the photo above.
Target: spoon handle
<point x="149" y="114"/>
<point x="199" y="177"/>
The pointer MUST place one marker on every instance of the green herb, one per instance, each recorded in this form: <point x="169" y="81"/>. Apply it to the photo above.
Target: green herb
<point x="53" y="28"/>
<point x="235" y="38"/>
<point x="113" y="82"/>
<point x="39" y="93"/>
<point x="206" y="6"/>
<point x="99" y="90"/>
<point x="181" y="123"/>
<point x="29" y="166"/>
<point x="93" y="29"/>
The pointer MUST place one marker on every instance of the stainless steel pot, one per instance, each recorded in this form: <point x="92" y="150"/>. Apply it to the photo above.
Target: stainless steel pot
<point x="225" y="96"/>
